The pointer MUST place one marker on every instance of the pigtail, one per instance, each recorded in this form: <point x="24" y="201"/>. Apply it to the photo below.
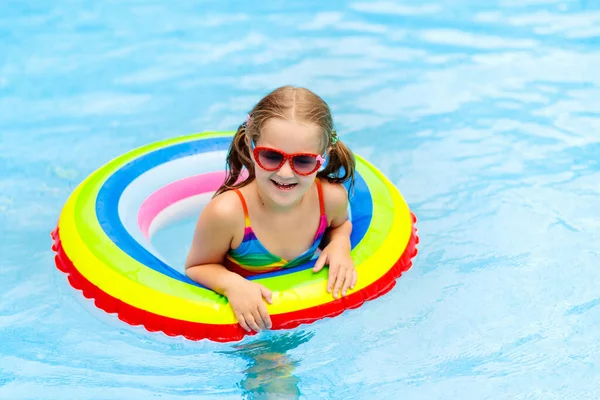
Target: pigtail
<point x="340" y="166"/>
<point x="238" y="157"/>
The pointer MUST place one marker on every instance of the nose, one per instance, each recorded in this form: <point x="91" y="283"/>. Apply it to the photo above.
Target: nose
<point x="286" y="171"/>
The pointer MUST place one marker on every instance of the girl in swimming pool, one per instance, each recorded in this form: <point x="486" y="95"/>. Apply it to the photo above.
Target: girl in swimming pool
<point x="291" y="203"/>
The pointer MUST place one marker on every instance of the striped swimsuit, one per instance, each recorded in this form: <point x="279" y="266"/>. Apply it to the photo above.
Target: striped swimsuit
<point x="251" y="257"/>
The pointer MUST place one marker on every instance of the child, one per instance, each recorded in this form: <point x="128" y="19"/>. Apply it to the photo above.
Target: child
<point x="296" y="166"/>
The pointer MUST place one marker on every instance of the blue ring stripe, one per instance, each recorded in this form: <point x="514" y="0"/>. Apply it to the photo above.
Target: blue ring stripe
<point x="111" y="190"/>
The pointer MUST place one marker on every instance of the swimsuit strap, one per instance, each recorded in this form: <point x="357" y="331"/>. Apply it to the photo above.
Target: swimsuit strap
<point x="321" y="200"/>
<point x="244" y="206"/>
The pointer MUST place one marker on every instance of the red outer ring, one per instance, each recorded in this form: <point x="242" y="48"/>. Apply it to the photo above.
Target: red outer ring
<point x="230" y="332"/>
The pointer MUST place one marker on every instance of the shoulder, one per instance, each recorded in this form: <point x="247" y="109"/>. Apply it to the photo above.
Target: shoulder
<point x="216" y="229"/>
<point x="335" y="198"/>
<point x="224" y="211"/>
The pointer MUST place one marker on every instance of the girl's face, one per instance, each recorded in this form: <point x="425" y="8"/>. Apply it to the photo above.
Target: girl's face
<point x="284" y="186"/>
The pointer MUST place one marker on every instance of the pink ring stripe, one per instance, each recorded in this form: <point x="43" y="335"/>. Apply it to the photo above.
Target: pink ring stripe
<point x="177" y="191"/>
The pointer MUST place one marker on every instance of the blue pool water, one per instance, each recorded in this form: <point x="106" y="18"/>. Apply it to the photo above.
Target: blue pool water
<point x="485" y="115"/>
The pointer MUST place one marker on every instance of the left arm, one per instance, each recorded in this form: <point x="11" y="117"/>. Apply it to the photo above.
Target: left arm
<point x="340" y="233"/>
<point x="336" y="243"/>
<point x="339" y="230"/>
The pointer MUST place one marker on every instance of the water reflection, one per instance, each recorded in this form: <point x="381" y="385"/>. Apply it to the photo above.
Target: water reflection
<point x="270" y="370"/>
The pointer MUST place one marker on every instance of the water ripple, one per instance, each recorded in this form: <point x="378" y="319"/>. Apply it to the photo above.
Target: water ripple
<point x="485" y="115"/>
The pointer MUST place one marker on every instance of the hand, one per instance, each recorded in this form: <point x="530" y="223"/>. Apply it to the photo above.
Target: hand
<point x="342" y="274"/>
<point x="246" y="300"/>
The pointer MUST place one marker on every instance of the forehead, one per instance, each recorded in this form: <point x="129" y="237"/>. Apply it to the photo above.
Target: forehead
<point x="291" y="136"/>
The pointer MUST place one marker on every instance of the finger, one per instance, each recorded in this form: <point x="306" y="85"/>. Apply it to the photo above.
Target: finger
<point x="267" y="294"/>
<point x="347" y="281"/>
<point x="320" y="262"/>
<point x="262" y="322"/>
<point x="258" y="319"/>
<point x="264" y="314"/>
<point x="333" y="273"/>
<point x="341" y="277"/>
<point x="252" y="323"/>
<point x="354" y="279"/>
<point x="242" y="322"/>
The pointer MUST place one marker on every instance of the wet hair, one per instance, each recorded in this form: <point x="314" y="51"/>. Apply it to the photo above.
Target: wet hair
<point x="288" y="103"/>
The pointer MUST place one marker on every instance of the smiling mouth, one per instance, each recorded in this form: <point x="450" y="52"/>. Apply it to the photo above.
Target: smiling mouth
<point x="283" y="186"/>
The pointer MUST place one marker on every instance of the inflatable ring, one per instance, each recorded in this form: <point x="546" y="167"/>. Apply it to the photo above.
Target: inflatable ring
<point x="103" y="243"/>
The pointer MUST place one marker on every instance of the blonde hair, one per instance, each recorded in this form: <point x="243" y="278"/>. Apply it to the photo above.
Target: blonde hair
<point x="288" y="102"/>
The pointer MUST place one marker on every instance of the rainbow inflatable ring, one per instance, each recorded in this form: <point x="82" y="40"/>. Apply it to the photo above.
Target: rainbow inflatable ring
<point x="103" y="243"/>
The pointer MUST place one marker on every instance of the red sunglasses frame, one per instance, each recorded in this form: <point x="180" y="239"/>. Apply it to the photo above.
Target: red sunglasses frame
<point x="319" y="158"/>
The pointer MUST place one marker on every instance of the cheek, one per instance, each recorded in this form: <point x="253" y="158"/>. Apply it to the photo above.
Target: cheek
<point x="261" y="174"/>
<point x="307" y="181"/>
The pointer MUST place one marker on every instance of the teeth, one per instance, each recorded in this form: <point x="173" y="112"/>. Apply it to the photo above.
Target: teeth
<point x="283" y="185"/>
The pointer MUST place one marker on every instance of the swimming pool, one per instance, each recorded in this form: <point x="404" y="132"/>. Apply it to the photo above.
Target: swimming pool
<point x="485" y="116"/>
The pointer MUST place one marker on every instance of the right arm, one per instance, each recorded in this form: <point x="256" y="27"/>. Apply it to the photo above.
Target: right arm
<point x="212" y="240"/>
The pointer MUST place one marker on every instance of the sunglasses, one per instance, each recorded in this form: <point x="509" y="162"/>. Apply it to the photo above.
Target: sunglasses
<point x="272" y="159"/>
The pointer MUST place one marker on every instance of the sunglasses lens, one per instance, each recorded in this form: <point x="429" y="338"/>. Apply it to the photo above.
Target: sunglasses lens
<point x="305" y="164"/>
<point x="269" y="159"/>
